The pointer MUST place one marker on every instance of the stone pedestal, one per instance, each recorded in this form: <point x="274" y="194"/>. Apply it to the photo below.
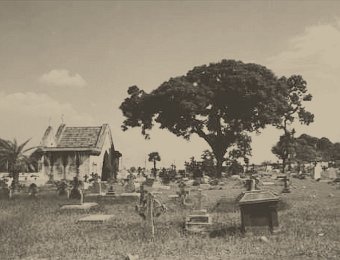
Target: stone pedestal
<point x="258" y="210"/>
<point x="198" y="223"/>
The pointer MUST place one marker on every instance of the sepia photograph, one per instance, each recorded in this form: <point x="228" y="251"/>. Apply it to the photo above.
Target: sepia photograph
<point x="169" y="130"/>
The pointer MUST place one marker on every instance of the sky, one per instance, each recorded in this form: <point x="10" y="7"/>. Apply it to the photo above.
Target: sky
<point x="73" y="62"/>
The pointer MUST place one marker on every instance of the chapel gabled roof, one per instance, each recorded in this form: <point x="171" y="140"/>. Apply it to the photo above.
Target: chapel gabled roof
<point x="78" y="138"/>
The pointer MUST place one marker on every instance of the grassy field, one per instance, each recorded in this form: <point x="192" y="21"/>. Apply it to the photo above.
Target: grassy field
<point x="309" y="219"/>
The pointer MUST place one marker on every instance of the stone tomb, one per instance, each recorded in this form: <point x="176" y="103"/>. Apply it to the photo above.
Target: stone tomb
<point x="96" y="218"/>
<point x="258" y="210"/>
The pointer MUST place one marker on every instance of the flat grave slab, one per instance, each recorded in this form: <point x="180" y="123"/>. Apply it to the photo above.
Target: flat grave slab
<point x="326" y="181"/>
<point x="128" y="194"/>
<point x="84" y="206"/>
<point x="96" y="218"/>
<point x="94" y="194"/>
<point x="267" y="183"/>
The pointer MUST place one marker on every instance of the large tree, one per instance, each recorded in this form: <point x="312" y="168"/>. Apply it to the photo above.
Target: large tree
<point x="297" y="95"/>
<point x="220" y="103"/>
<point x="14" y="156"/>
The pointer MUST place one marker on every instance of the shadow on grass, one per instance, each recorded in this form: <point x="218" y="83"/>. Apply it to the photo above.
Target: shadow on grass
<point x="224" y="231"/>
<point x="225" y="205"/>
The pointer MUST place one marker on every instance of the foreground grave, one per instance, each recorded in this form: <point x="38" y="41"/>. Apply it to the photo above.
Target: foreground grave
<point x="259" y="209"/>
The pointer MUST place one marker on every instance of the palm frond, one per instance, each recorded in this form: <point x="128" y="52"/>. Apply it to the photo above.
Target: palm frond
<point x="21" y="147"/>
<point x="5" y="144"/>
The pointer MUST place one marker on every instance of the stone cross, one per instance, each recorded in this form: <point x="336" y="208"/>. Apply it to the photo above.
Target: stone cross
<point x="149" y="208"/>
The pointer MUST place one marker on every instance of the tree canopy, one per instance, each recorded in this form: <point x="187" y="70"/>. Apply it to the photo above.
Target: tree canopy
<point x="297" y="96"/>
<point x="307" y="148"/>
<point x="220" y="102"/>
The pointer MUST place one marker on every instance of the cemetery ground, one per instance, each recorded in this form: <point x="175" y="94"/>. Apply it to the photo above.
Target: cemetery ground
<point x="308" y="217"/>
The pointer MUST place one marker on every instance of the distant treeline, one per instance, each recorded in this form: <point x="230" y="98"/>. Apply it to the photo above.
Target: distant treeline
<point x="308" y="148"/>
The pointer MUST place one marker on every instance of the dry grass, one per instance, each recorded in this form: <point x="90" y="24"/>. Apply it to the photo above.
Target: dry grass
<point x="309" y="219"/>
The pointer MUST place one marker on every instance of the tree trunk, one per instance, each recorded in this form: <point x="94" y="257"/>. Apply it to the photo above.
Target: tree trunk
<point x="154" y="168"/>
<point x="283" y="165"/>
<point x="15" y="182"/>
<point x="219" y="167"/>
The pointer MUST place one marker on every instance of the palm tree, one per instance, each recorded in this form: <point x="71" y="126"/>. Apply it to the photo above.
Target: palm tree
<point x="13" y="156"/>
<point x="153" y="157"/>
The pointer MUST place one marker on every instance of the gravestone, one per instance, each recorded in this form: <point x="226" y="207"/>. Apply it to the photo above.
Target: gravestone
<point x="75" y="191"/>
<point x="317" y="171"/>
<point x="199" y="221"/>
<point x="33" y="190"/>
<point x="62" y="189"/>
<point x="97" y="186"/>
<point x="286" y="183"/>
<point x="252" y="184"/>
<point x="183" y="193"/>
<point x="110" y="191"/>
<point x="77" y="194"/>
<point x="258" y="210"/>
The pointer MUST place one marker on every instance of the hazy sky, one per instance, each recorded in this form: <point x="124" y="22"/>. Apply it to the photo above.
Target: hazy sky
<point x="77" y="59"/>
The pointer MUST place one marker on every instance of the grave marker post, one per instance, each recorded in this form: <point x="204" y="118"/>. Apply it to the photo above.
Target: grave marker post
<point x="149" y="216"/>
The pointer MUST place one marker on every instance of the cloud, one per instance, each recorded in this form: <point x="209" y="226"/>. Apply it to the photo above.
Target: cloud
<point x="314" y="53"/>
<point x="27" y="114"/>
<point x="62" y="78"/>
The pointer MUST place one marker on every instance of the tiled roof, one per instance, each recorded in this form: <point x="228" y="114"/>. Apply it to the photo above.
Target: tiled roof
<point x="79" y="137"/>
